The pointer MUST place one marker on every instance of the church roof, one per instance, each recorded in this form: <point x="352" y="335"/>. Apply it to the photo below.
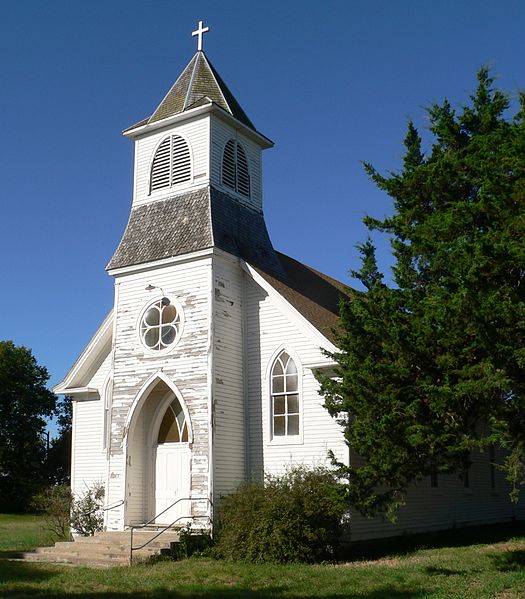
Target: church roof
<point x="195" y="221"/>
<point x="313" y="294"/>
<point x="199" y="84"/>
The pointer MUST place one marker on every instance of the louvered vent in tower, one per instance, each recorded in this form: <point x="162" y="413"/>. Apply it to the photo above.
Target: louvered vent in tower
<point x="243" y="174"/>
<point x="228" y="164"/>
<point x="235" y="172"/>
<point x="171" y="163"/>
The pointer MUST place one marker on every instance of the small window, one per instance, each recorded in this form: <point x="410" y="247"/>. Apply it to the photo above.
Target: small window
<point x="235" y="171"/>
<point x="171" y="164"/>
<point x="465" y="474"/>
<point x="160" y="325"/>
<point x="492" y="461"/>
<point x="433" y="476"/>
<point x="285" y="397"/>
<point x="173" y="428"/>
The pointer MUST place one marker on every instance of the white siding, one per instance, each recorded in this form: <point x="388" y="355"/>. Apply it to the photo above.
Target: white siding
<point x="186" y="366"/>
<point x="228" y="387"/>
<point x="196" y="133"/>
<point x="448" y="505"/>
<point x="220" y="134"/>
<point x="268" y="330"/>
<point x="89" y="457"/>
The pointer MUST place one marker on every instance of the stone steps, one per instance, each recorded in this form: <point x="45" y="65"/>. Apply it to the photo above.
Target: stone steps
<point x="103" y="549"/>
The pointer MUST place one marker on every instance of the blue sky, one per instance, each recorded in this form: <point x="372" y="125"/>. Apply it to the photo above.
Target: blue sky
<point x="332" y="83"/>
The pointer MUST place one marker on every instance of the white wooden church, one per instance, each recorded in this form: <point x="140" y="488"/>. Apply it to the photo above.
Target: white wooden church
<point x="202" y="376"/>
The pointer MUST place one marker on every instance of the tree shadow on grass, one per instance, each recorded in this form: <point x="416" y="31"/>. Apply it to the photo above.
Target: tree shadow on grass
<point x="437" y="571"/>
<point x="22" y="572"/>
<point x="407" y="544"/>
<point x="509" y="561"/>
<point x="20" y="580"/>
<point x="240" y="593"/>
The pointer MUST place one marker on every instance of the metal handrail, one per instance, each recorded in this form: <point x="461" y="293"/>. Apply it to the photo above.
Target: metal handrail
<point x="133" y="527"/>
<point x="104" y="509"/>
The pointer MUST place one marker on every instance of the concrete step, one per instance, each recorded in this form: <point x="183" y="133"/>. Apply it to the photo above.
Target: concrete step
<point x="103" y="549"/>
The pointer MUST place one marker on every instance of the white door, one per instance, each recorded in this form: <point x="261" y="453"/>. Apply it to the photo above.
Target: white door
<point x="172" y="482"/>
<point x="172" y="456"/>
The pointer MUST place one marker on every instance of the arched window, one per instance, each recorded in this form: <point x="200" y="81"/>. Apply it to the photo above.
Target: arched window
<point x="173" y="428"/>
<point x="235" y="172"/>
<point x="171" y="164"/>
<point x="285" y="397"/>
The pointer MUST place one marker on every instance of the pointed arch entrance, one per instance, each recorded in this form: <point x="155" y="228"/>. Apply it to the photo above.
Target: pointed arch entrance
<point x="172" y="457"/>
<point x="159" y="455"/>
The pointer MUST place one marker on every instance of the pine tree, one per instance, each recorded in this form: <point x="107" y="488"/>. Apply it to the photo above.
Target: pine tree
<point x="434" y="366"/>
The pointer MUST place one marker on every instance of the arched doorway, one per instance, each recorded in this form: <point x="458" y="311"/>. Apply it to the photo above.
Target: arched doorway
<point x="172" y="464"/>
<point x="158" y="464"/>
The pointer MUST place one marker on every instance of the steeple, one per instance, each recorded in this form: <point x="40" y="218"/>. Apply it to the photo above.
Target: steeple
<point x="199" y="84"/>
<point x="198" y="175"/>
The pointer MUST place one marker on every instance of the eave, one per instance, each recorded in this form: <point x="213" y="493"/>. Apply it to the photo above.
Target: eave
<point x="211" y="108"/>
<point x="72" y="383"/>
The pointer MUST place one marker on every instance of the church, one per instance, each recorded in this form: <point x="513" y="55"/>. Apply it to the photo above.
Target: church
<point x="202" y="375"/>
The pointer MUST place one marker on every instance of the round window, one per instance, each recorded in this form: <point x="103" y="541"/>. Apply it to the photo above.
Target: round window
<point x="160" y="325"/>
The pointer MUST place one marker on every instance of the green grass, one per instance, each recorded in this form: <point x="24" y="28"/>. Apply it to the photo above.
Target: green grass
<point x="19" y="532"/>
<point x="477" y="564"/>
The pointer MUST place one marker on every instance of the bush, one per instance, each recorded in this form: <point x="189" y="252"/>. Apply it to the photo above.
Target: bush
<point x="55" y="503"/>
<point x="293" y="518"/>
<point x="87" y="516"/>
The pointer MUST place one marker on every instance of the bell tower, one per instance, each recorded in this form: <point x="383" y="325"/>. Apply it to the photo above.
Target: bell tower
<point x="198" y="175"/>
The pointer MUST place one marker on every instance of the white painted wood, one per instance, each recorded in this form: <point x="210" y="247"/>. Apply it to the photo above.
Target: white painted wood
<point x="88" y="455"/>
<point x="196" y="133"/>
<point x="186" y="366"/>
<point x="199" y="32"/>
<point x="228" y="372"/>
<point x="220" y="133"/>
<point x="172" y="482"/>
<point x="448" y="505"/>
<point x="271" y="329"/>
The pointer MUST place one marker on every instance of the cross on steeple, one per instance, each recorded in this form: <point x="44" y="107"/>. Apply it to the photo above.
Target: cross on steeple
<point x="199" y="32"/>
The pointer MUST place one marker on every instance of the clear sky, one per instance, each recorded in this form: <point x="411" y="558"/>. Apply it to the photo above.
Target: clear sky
<point x="331" y="82"/>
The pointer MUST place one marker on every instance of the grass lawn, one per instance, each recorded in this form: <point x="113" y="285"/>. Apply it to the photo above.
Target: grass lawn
<point x="19" y="532"/>
<point x="439" y="567"/>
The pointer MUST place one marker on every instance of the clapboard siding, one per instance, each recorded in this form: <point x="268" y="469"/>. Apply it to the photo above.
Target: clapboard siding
<point x="220" y="133"/>
<point x="186" y="366"/>
<point x="196" y="133"/>
<point x="448" y="505"/>
<point x="89" y="457"/>
<point x="228" y="394"/>
<point x="268" y="330"/>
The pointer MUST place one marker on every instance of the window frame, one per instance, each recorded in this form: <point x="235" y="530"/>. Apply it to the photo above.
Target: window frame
<point x="285" y="439"/>
<point x="179" y="329"/>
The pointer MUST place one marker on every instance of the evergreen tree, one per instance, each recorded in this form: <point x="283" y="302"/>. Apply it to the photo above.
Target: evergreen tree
<point x="433" y="367"/>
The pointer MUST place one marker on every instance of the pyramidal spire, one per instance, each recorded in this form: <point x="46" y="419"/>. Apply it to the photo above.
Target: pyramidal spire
<point x="199" y="84"/>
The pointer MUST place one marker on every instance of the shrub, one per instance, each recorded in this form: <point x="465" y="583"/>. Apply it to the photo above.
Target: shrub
<point x="296" y="517"/>
<point x="87" y="516"/>
<point x="55" y="503"/>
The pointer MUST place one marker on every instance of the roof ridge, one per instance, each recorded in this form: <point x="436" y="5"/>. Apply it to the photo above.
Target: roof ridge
<point x="331" y="280"/>
<point x="217" y="83"/>
<point x="170" y="89"/>
<point x="192" y="78"/>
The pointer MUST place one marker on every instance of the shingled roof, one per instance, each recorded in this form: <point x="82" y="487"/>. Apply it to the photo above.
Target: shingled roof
<point x="195" y="221"/>
<point x="198" y="84"/>
<point x="313" y="294"/>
